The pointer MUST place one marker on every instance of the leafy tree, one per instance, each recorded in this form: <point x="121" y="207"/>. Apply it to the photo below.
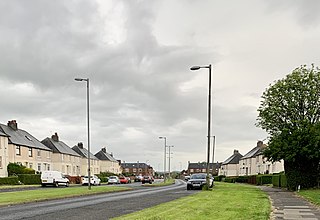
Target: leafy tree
<point x="290" y="113"/>
<point x="14" y="169"/>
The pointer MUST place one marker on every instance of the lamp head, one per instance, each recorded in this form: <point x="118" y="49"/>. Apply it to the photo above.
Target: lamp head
<point x="195" y="68"/>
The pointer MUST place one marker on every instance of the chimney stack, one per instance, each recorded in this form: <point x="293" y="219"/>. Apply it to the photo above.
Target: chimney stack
<point x="235" y="152"/>
<point x="260" y="144"/>
<point x="80" y="145"/>
<point x="13" y="124"/>
<point x="104" y="150"/>
<point x="55" y="137"/>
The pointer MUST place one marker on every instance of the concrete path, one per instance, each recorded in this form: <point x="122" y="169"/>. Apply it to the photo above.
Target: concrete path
<point x="287" y="205"/>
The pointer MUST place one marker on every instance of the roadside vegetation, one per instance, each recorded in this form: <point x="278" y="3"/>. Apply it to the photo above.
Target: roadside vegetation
<point x="167" y="183"/>
<point x="313" y="195"/>
<point x="9" y="198"/>
<point x="225" y="201"/>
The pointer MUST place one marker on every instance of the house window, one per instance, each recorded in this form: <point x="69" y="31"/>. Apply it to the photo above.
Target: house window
<point x="39" y="167"/>
<point x="30" y="165"/>
<point x="0" y="162"/>
<point x="18" y="150"/>
<point x="127" y="170"/>
<point x="134" y="170"/>
<point x="48" y="167"/>
<point x="39" y="153"/>
<point x="30" y="152"/>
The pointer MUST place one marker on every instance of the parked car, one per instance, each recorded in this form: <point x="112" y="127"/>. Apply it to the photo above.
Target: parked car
<point x="129" y="179"/>
<point x="146" y="179"/>
<point x="123" y="180"/>
<point x="198" y="180"/>
<point x="54" y="178"/>
<point x="113" y="180"/>
<point x="94" y="180"/>
<point x="138" y="178"/>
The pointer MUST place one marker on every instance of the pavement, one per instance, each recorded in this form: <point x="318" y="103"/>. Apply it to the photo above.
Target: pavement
<point x="287" y="205"/>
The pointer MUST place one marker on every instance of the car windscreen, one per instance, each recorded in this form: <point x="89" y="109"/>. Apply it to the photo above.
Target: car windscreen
<point x="112" y="177"/>
<point x="198" y="176"/>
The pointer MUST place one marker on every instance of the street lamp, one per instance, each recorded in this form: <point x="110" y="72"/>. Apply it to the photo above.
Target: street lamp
<point x="169" y="147"/>
<point x="213" y="146"/>
<point x="209" y="118"/>
<point x="165" y="155"/>
<point x="88" y="123"/>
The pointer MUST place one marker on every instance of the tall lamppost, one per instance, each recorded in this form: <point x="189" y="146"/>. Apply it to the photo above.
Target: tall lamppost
<point x="165" y="157"/>
<point x="169" y="147"/>
<point x="209" y="118"/>
<point x="213" y="146"/>
<point x="88" y="123"/>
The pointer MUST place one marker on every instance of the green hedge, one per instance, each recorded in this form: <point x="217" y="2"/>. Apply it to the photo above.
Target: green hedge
<point x="264" y="179"/>
<point x="283" y="181"/>
<point x="276" y="180"/>
<point x="230" y="179"/>
<point x="219" y="178"/>
<point x="30" y="179"/>
<point x="12" y="180"/>
<point x="242" y="179"/>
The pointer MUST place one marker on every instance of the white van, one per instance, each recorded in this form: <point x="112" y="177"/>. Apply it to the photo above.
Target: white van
<point x="54" y="178"/>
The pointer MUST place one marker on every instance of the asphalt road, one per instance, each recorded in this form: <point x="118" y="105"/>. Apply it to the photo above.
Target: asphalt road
<point x="103" y="206"/>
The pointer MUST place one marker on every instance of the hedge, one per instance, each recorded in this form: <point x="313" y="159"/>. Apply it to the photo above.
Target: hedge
<point x="12" y="180"/>
<point x="230" y="179"/>
<point x="264" y="179"/>
<point x="276" y="180"/>
<point x="283" y="181"/>
<point x="30" y="179"/>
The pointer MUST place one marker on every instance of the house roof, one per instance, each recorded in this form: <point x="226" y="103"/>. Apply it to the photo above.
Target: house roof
<point x="101" y="155"/>
<point x="59" y="147"/>
<point x="3" y="134"/>
<point x="255" y="151"/>
<point x="203" y="165"/>
<point x="233" y="159"/>
<point x="22" y="138"/>
<point x="83" y="152"/>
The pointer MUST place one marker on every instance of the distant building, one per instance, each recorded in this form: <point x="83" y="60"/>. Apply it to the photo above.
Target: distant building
<point x="137" y="169"/>
<point x="94" y="162"/>
<point x="64" y="159"/>
<point x="107" y="162"/>
<point x="230" y="167"/>
<point x="201" y="167"/>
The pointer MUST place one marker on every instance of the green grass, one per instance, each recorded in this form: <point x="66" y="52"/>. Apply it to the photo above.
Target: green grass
<point x="167" y="183"/>
<point x="225" y="201"/>
<point x="8" y="198"/>
<point x="313" y="195"/>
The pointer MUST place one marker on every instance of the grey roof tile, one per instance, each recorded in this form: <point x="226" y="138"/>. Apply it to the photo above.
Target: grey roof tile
<point x="22" y="138"/>
<point x="59" y="147"/>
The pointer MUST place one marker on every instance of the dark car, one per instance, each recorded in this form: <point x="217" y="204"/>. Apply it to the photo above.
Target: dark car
<point x="198" y="180"/>
<point x="146" y="179"/>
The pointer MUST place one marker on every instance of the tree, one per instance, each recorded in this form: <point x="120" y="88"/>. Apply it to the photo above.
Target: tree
<point x="290" y="113"/>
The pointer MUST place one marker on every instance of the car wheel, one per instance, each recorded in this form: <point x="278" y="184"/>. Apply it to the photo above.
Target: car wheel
<point x="67" y="184"/>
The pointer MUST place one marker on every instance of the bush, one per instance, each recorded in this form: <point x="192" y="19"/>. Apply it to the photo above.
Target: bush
<point x="30" y="179"/>
<point x="14" y="169"/>
<point x="252" y="179"/>
<point x="264" y="179"/>
<point x="74" y="179"/>
<point x="276" y="180"/>
<point x="230" y="179"/>
<point x="242" y="179"/>
<point x="283" y="181"/>
<point x="12" y="180"/>
<point x="219" y="178"/>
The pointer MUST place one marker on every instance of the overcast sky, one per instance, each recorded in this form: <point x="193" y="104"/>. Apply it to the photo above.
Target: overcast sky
<point x="137" y="55"/>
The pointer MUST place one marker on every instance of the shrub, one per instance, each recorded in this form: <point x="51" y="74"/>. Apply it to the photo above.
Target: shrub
<point x="219" y="178"/>
<point x="30" y="179"/>
<point x="14" y="168"/>
<point x="242" y="179"/>
<point x="283" y="181"/>
<point x="230" y="179"/>
<point x="264" y="179"/>
<point x="276" y="180"/>
<point x="12" y="180"/>
<point x="252" y="179"/>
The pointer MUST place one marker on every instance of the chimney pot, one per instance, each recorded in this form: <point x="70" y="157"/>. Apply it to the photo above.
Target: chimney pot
<point x="13" y="124"/>
<point x="80" y="145"/>
<point x="55" y="137"/>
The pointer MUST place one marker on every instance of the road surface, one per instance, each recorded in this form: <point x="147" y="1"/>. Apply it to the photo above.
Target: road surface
<point x="102" y="206"/>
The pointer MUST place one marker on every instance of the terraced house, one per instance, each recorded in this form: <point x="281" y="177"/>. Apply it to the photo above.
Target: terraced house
<point x="64" y="159"/>
<point x="21" y="147"/>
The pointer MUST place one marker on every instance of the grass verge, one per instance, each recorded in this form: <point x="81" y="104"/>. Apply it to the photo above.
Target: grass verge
<point x="167" y="183"/>
<point x="225" y="201"/>
<point x="9" y="198"/>
<point x="313" y="195"/>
